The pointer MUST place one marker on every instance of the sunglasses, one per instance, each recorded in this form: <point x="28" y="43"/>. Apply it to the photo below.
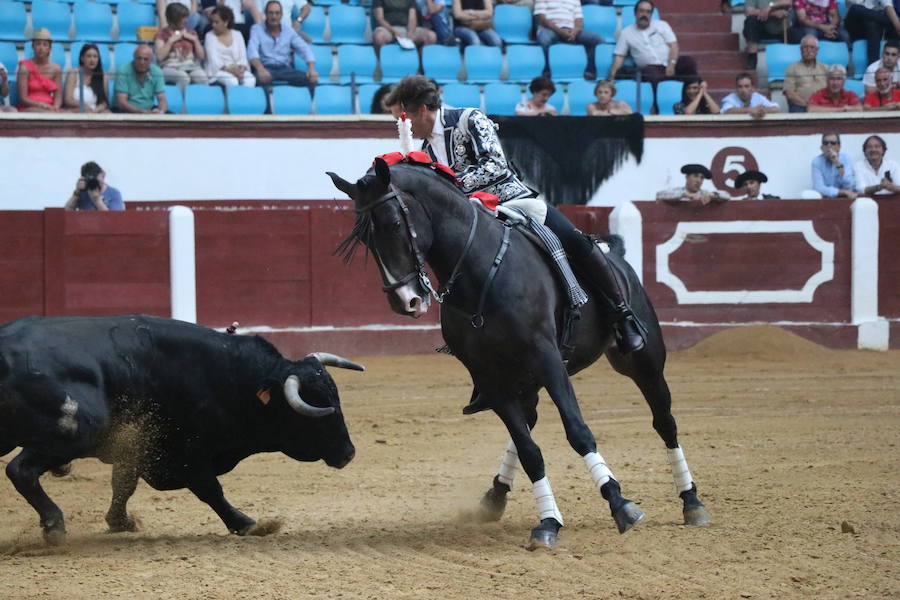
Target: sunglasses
<point x="831" y="143"/>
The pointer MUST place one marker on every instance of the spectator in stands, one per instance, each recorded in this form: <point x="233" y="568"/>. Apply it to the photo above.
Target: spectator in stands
<point x="257" y="9"/>
<point x="398" y="20"/>
<point x="196" y="20"/>
<point x="238" y="8"/>
<point x="270" y="48"/>
<point x="475" y="23"/>
<point x="832" y="174"/>
<point x="605" y="104"/>
<point x="889" y="61"/>
<point x="694" y="175"/>
<point x="39" y="79"/>
<point x="179" y="50"/>
<point x="764" y="19"/>
<point x="750" y="182"/>
<point x="226" y="55"/>
<point x="833" y="97"/>
<point x="86" y="86"/>
<point x="745" y="100"/>
<point x="653" y="46"/>
<point x="563" y="21"/>
<point x="433" y="15"/>
<point x="872" y="20"/>
<point x="819" y="18"/>
<point x="885" y="96"/>
<point x="139" y="85"/>
<point x="695" y="98"/>
<point x="805" y="77"/>
<point x="378" y="106"/>
<point x="4" y="90"/>
<point x="92" y="192"/>
<point x="875" y="174"/>
<point x="541" y="89"/>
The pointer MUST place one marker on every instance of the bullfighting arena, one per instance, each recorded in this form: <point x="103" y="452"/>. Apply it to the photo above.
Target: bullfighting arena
<point x="794" y="448"/>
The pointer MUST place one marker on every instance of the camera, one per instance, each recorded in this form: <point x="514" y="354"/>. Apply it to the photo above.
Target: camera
<point x="91" y="183"/>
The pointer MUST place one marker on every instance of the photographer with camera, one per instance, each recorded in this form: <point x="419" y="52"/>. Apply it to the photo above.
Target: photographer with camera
<point x="92" y="193"/>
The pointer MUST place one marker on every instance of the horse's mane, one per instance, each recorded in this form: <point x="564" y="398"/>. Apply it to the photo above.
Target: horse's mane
<point x="409" y="178"/>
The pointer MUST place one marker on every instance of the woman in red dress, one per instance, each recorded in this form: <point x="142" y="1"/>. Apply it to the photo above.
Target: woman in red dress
<point x="39" y="78"/>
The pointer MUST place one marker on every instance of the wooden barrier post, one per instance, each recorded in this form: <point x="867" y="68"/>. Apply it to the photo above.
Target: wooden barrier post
<point x="626" y="221"/>
<point x="873" y="332"/>
<point x="182" y="264"/>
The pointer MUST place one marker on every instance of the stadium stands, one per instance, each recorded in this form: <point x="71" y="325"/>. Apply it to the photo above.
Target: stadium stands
<point x="602" y="20"/>
<point x="333" y="100"/>
<point x="93" y="22"/>
<point x="246" y="100"/>
<point x="55" y="16"/>
<point x="396" y="63"/>
<point x="202" y="99"/>
<point x="358" y="60"/>
<point x="314" y="24"/>
<point x="288" y="100"/>
<point x="441" y="63"/>
<point x="626" y="90"/>
<point x="581" y="93"/>
<point x="779" y="57"/>
<point x="364" y="95"/>
<point x="75" y="51"/>
<point x="512" y="23"/>
<point x="501" y="98"/>
<point x="524" y="62"/>
<point x="132" y="15"/>
<point x="348" y="24"/>
<point x="461" y="95"/>
<point x="483" y="63"/>
<point x="174" y="99"/>
<point x="12" y="21"/>
<point x="668" y="94"/>
<point x="567" y="62"/>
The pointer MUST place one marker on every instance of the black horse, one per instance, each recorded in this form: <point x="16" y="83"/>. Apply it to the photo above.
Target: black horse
<point x="505" y="325"/>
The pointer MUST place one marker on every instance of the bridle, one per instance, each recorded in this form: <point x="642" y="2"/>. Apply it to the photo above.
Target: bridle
<point x="411" y="236"/>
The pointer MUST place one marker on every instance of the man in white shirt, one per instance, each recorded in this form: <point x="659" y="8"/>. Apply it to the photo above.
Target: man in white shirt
<point x="653" y="46"/>
<point x="888" y="60"/>
<point x="563" y="21"/>
<point x="875" y="174"/>
<point x="872" y="20"/>
<point x="745" y="100"/>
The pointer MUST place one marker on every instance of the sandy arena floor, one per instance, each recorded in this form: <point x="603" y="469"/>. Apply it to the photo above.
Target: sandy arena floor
<point x="786" y="441"/>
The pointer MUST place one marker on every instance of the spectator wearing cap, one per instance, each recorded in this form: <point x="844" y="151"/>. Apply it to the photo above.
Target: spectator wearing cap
<point x="563" y="21"/>
<point x="885" y="96"/>
<point x="694" y="175"/>
<point x="764" y="19"/>
<point x="39" y="79"/>
<point x="833" y="97"/>
<point x="92" y="192"/>
<point x="875" y="174"/>
<point x="832" y="172"/>
<point x="889" y="60"/>
<point x="750" y="182"/>
<point x="139" y="84"/>
<point x="819" y="18"/>
<point x="804" y="77"/>
<point x="746" y="100"/>
<point x="872" y="20"/>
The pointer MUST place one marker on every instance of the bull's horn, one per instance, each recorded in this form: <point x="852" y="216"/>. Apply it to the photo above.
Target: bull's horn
<point x="292" y="393"/>
<point x="333" y="360"/>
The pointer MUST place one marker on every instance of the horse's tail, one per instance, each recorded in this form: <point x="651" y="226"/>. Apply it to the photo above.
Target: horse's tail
<point x="614" y="241"/>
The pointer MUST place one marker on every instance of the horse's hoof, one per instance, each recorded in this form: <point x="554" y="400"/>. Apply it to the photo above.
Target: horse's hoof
<point x="492" y="506"/>
<point x="696" y="515"/>
<point x="55" y="534"/>
<point x="264" y="527"/>
<point x="129" y="525"/>
<point x="544" y="535"/>
<point x="627" y="515"/>
<point x="61" y="470"/>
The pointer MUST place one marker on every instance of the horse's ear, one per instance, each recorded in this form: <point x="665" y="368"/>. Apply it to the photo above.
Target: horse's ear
<point x="345" y="186"/>
<point x="382" y="171"/>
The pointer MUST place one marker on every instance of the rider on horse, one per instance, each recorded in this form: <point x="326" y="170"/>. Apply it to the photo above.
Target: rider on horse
<point x="466" y="141"/>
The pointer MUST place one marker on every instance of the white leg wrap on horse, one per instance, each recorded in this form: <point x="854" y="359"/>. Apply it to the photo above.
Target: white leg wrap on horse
<point x="680" y="472"/>
<point x="546" y="503"/>
<point x="507" y="472"/>
<point x="600" y="473"/>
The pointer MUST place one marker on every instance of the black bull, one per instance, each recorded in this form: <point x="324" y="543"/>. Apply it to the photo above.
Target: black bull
<point x="408" y="215"/>
<point x="173" y="403"/>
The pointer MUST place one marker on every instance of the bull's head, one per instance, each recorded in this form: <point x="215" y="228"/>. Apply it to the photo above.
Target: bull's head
<point x="391" y="224"/>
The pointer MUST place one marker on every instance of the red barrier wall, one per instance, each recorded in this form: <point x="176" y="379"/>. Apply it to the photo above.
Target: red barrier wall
<point x="21" y="264"/>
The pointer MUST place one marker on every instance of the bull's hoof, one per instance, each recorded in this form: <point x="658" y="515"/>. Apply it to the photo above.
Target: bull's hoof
<point x="128" y="525"/>
<point x="696" y="515"/>
<point x="61" y="470"/>
<point x="544" y="535"/>
<point x="492" y="504"/>
<point x="627" y="515"/>
<point x="54" y="532"/>
<point x="263" y="527"/>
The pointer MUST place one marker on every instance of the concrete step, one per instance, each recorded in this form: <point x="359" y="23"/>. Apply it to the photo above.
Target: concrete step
<point x="693" y="23"/>
<point x="697" y="42"/>
<point x="694" y="6"/>
<point x="718" y="61"/>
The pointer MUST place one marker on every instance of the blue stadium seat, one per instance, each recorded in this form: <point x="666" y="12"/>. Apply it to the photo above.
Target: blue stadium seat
<point x="132" y="15"/>
<point x="105" y="60"/>
<point x="93" y="21"/>
<point x="557" y="100"/>
<point x="397" y="63"/>
<point x="109" y="1"/>
<point x="314" y="24"/>
<point x="628" y="16"/>
<point x="524" y="62"/>
<point x="483" y="63"/>
<point x="668" y="94"/>
<point x="290" y="100"/>
<point x="55" y="16"/>
<point x="12" y="21"/>
<point x="174" y="99"/>
<point x="581" y="93"/>
<point x="832" y="53"/>
<point x="333" y="100"/>
<point x="626" y="90"/>
<point x="359" y="60"/>
<point x="512" y="23"/>
<point x="327" y="2"/>
<point x="461" y="95"/>
<point x="202" y="99"/>
<point x="603" y="58"/>
<point x="601" y="20"/>
<point x="364" y="95"/>
<point x="567" y="62"/>
<point x="624" y="3"/>
<point x="123" y="53"/>
<point x="244" y="100"/>
<point x="57" y="54"/>
<point x="860" y="58"/>
<point x="324" y="61"/>
<point x="13" y="90"/>
<point x="501" y="98"/>
<point x="441" y="63"/>
<point x="9" y="56"/>
<point x="779" y="57"/>
<point x="857" y="87"/>
<point x="348" y="24"/>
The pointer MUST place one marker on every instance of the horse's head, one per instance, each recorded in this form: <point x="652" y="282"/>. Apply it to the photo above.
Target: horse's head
<point x="395" y="228"/>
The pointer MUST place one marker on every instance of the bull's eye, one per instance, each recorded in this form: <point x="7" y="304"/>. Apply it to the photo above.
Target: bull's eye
<point x="396" y="225"/>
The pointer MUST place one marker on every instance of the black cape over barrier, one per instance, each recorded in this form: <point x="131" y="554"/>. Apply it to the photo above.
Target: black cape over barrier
<point x="567" y="158"/>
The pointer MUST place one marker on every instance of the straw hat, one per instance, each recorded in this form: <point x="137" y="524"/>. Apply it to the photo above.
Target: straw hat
<point x="41" y="34"/>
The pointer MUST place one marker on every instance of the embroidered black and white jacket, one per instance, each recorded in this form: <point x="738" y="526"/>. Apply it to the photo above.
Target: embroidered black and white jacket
<point x="476" y="156"/>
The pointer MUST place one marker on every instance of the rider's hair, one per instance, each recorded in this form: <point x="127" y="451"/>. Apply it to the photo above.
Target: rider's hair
<point x="415" y="91"/>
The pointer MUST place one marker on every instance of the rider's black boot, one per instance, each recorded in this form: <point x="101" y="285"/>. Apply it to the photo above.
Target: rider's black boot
<point x="598" y="274"/>
<point x="476" y="404"/>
